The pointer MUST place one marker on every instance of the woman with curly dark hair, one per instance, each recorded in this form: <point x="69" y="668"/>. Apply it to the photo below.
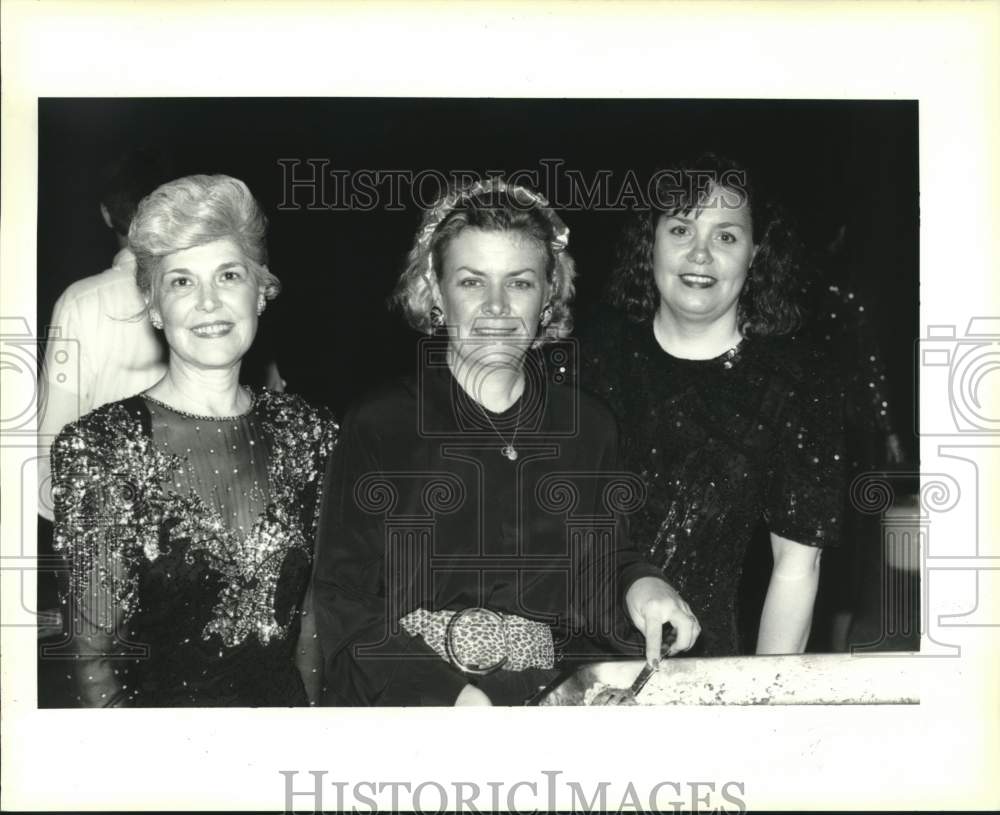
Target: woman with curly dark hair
<point x="728" y="420"/>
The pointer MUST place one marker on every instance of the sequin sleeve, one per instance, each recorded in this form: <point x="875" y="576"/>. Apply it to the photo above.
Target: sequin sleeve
<point x="95" y="532"/>
<point x="309" y="652"/>
<point x="323" y="434"/>
<point x="806" y="490"/>
<point x="847" y="318"/>
<point x="870" y="381"/>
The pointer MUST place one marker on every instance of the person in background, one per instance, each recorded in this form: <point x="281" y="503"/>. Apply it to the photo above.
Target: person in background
<point x="100" y="323"/>
<point x="841" y="318"/>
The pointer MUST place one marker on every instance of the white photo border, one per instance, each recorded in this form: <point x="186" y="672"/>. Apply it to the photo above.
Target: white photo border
<point x="940" y="753"/>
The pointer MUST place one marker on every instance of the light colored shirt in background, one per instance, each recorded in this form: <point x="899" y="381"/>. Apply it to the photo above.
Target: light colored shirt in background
<point x="101" y="348"/>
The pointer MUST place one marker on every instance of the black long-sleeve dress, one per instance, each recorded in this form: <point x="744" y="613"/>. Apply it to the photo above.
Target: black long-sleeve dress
<point x="421" y="510"/>
<point x="189" y="542"/>
<point x="720" y="444"/>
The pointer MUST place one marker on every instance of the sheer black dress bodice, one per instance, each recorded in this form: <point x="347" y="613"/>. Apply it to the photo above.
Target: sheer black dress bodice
<point x="721" y="444"/>
<point x="189" y="542"/>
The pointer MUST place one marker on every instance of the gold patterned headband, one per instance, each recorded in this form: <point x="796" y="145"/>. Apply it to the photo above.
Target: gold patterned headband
<point x="443" y="208"/>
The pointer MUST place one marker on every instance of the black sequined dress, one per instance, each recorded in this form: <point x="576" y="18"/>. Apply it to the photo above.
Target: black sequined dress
<point x="189" y="544"/>
<point x="841" y="323"/>
<point x="720" y="443"/>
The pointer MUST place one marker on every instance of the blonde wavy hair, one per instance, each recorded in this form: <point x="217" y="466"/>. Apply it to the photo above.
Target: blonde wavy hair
<point x="193" y="211"/>
<point x="492" y="206"/>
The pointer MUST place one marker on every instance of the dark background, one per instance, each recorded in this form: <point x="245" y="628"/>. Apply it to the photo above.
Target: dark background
<point x="832" y="163"/>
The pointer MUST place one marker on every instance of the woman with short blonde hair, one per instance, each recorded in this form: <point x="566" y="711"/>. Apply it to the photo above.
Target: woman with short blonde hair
<point x="447" y="569"/>
<point x="187" y="512"/>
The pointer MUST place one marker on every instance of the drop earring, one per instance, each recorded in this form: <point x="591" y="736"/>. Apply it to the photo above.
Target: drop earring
<point x="155" y="320"/>
<point x="437" y="317"/>
<point x="261" y="303"/>
<point x="546" y="316"/>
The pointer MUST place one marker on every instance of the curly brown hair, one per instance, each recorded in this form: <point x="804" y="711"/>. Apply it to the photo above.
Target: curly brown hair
<point x="767" y="303"/>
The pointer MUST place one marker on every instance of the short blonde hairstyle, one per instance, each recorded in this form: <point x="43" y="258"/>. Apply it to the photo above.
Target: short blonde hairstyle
<point x="492" y="206"/>
<point x="193" y="211"/>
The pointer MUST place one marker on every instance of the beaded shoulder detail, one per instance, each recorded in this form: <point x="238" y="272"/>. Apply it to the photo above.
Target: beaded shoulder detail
<point x="113" y="512"/>
<point x="204" y="418"/>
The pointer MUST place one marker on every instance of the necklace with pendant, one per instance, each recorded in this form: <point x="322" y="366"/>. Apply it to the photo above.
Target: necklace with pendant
<point x="508" y="450"/>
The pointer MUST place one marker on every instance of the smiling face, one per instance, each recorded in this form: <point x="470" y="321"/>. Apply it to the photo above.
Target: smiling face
<point x="701" y="259"/>
<point x="492" y="289"/>
<point x="207" y="300"/>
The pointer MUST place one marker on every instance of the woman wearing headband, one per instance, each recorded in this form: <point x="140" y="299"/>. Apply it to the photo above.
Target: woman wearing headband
<point x="470" y="538"/>
<point x="729" y="420"/>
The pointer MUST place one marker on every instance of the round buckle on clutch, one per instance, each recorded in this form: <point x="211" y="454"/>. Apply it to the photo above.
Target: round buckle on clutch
<point x="473" y="619"/>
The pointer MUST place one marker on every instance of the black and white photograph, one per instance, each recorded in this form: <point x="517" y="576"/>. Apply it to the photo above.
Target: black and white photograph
<point x="701" y="374"/>
<point x="347" y="410"/>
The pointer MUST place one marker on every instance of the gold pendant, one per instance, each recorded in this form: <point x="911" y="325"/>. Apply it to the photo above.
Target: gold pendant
<point x="509" y="452"/>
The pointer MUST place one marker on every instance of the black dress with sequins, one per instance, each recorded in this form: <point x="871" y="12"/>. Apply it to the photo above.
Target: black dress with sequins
<point x="721" y="444"/>
<point x="841" y="323"/>
<point x="189" y="545"/>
